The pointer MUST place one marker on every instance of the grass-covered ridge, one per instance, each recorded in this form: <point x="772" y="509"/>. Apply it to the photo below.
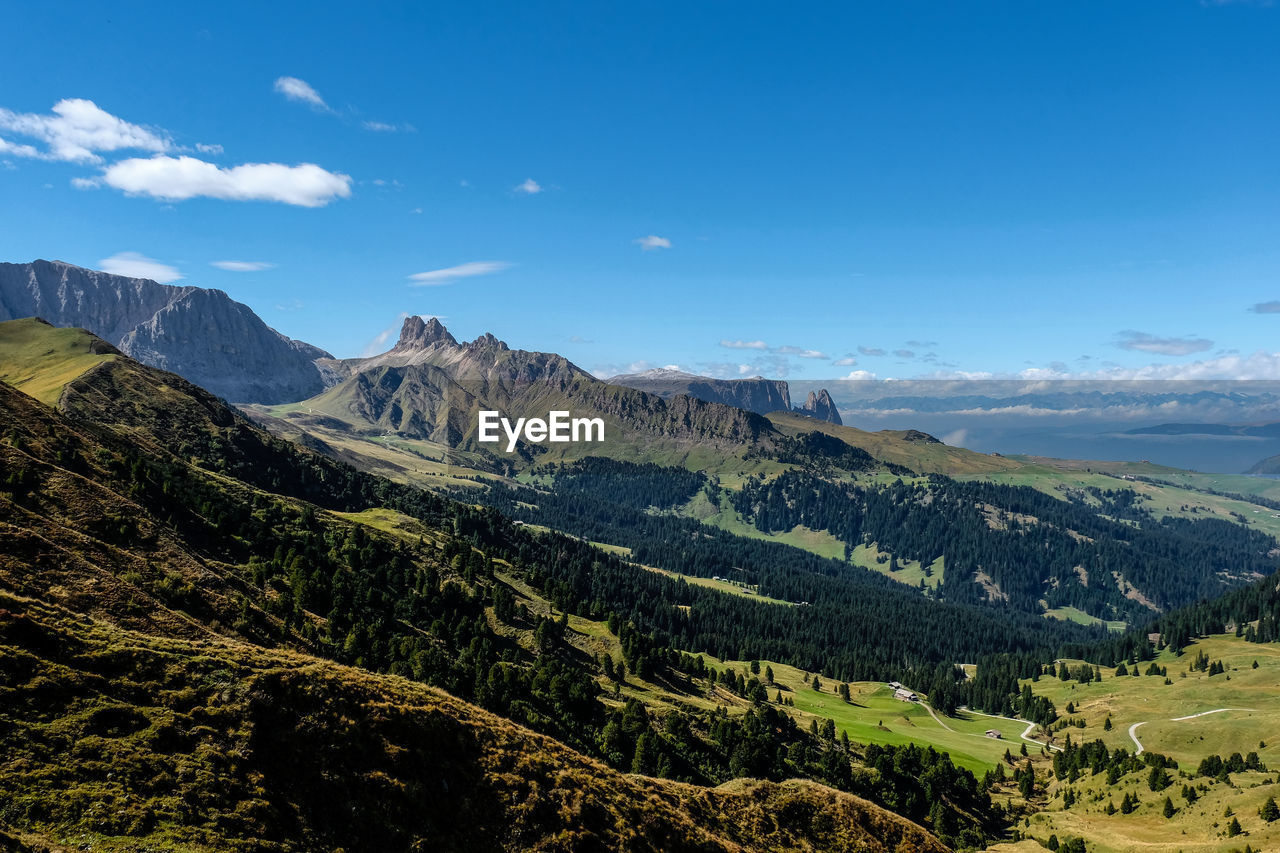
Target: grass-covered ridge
<point x="40" y="360"/>
<point x="122" y="740"/>
<point x="146" y="505"/>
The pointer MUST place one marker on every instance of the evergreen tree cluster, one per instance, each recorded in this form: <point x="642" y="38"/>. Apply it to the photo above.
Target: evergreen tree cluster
<point x="1022" y="538"/>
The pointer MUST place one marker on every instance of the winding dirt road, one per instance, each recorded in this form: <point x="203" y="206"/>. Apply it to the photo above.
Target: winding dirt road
<point x="1133" y="730"/>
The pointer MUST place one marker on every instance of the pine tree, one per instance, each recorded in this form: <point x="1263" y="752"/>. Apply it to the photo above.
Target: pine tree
<point x="1169" y="810"/>
<point x="647" y="755"/>
<point x="1233" y="828"/>
<point x="1269" y="811"/>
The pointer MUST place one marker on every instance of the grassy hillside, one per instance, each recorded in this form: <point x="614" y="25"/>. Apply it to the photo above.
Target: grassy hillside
<point x="913" y="449"/>
<point x="40" y="360"/>
<point x="121" y="741"/>
<point x="1148" y="701"/>
<point x="198" y="585"/>
<point x="1171" y="719"/>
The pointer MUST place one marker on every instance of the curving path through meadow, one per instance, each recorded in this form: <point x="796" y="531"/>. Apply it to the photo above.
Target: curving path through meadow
<point x="1133" y="730"/>
<point x="1026" y="733"/>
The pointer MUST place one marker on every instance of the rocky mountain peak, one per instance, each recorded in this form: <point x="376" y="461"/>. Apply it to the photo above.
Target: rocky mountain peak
<point x="488" y="341"/>
<point x="820" y="405"/>
<point x="417" y="333"/>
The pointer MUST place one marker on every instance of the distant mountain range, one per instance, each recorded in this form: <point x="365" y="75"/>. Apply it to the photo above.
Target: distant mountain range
<point x="431" y="387"/>
<point x="755" y="394"/>
<point x="203" y="335"/>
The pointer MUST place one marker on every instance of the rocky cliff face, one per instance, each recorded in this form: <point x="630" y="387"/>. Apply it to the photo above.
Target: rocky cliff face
<point x="756" y="394"/>
<point x="202" y="335"/>
<point x="820" y="405"/>
<point x="430" y="386"/>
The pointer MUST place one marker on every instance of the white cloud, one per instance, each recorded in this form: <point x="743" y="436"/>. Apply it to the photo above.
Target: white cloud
<point x="448" y="275"/>
<point x="744" y="344"/>
<point x="301" y="91"/>
<point x="653" y="241"/>
<point x="179" y="178"/>
<point x="380" y="126"/>
<point x="1260" y="365"/>
<point x="204" y="148"/>
<point x="136" y="265"/>
<point x="379" y="342"/>
<point x="76" y="131"/>
<point x="242" y="266"/>
<point x="86" y="183"/>
<point x="608" y="371"/>
<point x="18" y="150"/>
<point x="800" y="352"/>
<point x="861" y="375"/>
<point x="847" y="361"/>
<point x="956" y="438"/>
<point x="529" y="187"/>
<point x="1143" y="342"/>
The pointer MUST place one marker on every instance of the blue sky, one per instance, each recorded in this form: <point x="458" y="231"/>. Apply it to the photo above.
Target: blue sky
<point x="898" y="188"/>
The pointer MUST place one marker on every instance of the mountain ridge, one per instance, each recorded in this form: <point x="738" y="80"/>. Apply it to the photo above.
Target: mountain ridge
<point x="199" y="333"/>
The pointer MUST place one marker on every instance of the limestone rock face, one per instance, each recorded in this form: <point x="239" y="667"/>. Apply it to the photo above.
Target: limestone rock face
<point x="202" y="335"/>
<point x="820" y="405"/>
<point x="756" y="394"/>
<point x="430" y="386"/>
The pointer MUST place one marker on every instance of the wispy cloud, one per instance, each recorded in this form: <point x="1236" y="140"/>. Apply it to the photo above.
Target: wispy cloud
<point x="847" y="361"/>
<point x="386" y="127"/>
<point x="761" y="345"/>
<point x="76" y="131"/>
<point x="800" y="352"/>
<point x="18" y="150"/>
<point x="137" y="265"/>
<point x="379" y="342"/>
<point x="181" y="178"/>
<point x="529" y="187"/>
<point x="211" y="150"/>
<point x="242" y="266"/>
<point x="448" y="275"/>
<point x="768" y="364"/>
<point x="608" y="370"/>
<point x="871" y="351"/>
<point x="653" y="241"/>
<point x="1272" y="307"/>
<point x="579" y="339"/>
<point x="1144" y="342"/>
<point x="904" y="353"/>
<point x="301" y="91"/>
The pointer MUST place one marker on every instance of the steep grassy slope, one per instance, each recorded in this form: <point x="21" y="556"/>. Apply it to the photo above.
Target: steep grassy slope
<point x="193" y="581"/>
<point x="123" y="741"/>
<point x="41" y="360"/>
